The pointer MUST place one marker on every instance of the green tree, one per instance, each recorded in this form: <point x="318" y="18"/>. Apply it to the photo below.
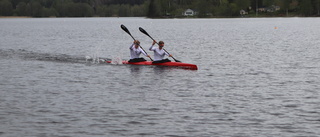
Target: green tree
<point x="101" y="11"/>
<point x="138" y="10"/>
<point x="285" y="5"/>
<point x="36" y="9"/>
<point x="48" y="12"/>
<point x="145" y="6"/>
<point x="242" y="4"/>
<point x="46" y="3"/>
<point x="108" y="11"/>
<point x="316" y="4"/>
<point x="71" y="10"/>
<point x="239" y="5"/>
<point x="177" y="12"/>
<point x="6" y="8"/>
<point x="85" y="10"/>
<point x="154" y="9"/>
<point x="223" y="9"/>
<point x="235" y="10"/>
<point x="62" y="7"/>
<point x="21" y="9"/>
<point x="78" y="10"/>
<point x="151" y="8"/>
<point x="306" y="7"/>
<point x="267" y="3"/>
<point x="113" y="10"/>
<point x="124" y="11"/>
<point x="204" y="8"/>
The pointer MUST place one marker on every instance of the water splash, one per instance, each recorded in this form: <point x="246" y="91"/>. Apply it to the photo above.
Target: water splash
<point x="116" y="60"/>
<point x="96" y="59"/>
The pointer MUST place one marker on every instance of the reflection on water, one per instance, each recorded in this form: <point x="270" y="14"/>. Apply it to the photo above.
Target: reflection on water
<point x="135" y="69"/>
<point x="254" y="80"/>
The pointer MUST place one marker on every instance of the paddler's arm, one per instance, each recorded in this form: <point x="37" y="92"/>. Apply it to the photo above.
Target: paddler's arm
<point x="144" y="53"/>
<point x="131" y="47"/>
<point x="151" y="48"/>
<point x="167" y="54"/>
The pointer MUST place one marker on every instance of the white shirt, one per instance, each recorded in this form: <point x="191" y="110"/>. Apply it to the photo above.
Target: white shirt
<point x="135" y="52"/>
<point x="158" y="53"/>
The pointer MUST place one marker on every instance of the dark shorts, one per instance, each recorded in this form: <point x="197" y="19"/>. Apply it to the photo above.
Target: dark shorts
<point x="162" y="61"/>
<point x="137" y="60"/>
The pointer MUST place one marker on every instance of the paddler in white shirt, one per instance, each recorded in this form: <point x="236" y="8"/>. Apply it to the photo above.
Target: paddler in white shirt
<point x="159" y="53"/>
<point x="135" y="52"/>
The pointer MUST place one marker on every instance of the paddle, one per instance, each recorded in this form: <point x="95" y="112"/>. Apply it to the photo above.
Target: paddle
<point x="126" y="30"/>
<point x="145" y="32"/>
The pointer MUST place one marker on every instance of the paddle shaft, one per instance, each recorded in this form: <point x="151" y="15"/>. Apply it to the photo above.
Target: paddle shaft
<point x="126" y="30"/>
<point x="144" y="32"/>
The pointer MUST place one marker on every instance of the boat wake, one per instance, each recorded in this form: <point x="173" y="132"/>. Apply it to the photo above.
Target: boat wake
<point x="63" y="58"/>
<point x="83" y="59"/>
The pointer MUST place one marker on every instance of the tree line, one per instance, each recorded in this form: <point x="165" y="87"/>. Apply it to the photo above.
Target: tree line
<point x="156" y="8"/>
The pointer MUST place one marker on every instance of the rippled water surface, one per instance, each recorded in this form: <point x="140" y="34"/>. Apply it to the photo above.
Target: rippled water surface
<point x="256" y="77"/>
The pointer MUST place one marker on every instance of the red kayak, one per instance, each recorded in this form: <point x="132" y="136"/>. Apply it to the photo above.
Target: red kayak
<point x="169" y="64"/>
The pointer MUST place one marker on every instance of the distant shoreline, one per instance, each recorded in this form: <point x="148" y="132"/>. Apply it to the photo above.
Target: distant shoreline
<point x="168" y="17"/>
<point x="15" y="17"/>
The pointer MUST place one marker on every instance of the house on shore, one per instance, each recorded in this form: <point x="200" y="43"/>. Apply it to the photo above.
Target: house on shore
<point x="243" y="12"/>
<point x="189" y="12"/>
<point x="272" y="8"/>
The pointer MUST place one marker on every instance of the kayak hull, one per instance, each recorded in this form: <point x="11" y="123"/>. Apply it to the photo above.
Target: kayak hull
<point x="168" y="64"/>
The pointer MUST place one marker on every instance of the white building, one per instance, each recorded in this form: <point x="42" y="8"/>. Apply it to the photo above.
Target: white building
<point x="243" y="12"/>
<point x="188" y="12"/>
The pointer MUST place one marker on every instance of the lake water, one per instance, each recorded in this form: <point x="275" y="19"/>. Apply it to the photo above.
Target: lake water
<point x="256" y="77"/>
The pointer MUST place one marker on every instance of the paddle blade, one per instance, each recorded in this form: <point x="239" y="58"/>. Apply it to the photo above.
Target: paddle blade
<point x="144" y="32"/>
<point x="125" y="29"/>
<point x="176" y="60"/>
